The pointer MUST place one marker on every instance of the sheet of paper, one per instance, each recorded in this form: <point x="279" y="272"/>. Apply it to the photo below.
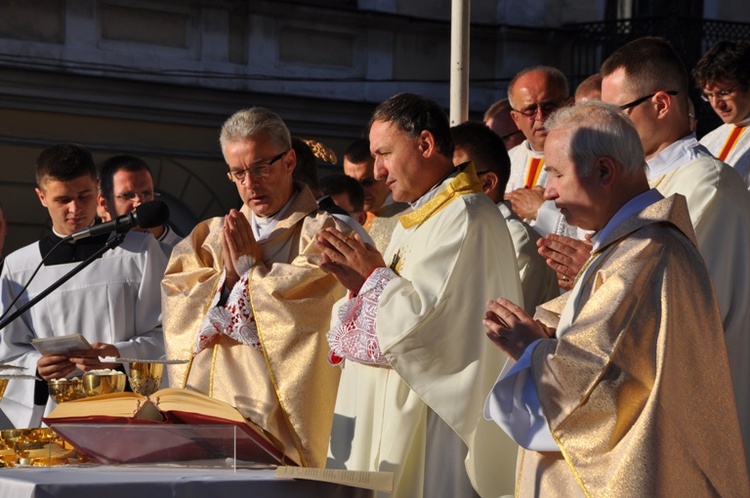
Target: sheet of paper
<point x="61" y="344"/>
<point x="377" y="481"/>
<point x="140" y="360"/>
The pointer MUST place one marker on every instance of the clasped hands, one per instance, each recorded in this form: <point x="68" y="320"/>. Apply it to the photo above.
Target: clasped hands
<point x="565" y="255"/>
<point x="237" y="240"/>
<point x="348" y="258"/>
<point x="511" y="328"/>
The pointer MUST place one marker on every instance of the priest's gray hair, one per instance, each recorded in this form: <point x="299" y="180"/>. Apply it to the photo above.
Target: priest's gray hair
<point x="599" y="130"/>
<point x="250" y="123"/>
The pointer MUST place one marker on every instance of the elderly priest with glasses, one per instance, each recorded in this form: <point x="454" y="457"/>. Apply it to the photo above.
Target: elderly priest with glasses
<point x="245" y="299"/>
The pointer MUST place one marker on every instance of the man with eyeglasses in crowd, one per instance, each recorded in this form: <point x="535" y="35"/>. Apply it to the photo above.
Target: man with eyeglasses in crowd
<point x="534" y="93"/>
<point x="382" y="211"/>
<point x="647" y="80"/>
<point x="498" y="119"/>
<point x="126" y="182"/>
<point x="245" y="298"/>
<point x="723" y="76"/>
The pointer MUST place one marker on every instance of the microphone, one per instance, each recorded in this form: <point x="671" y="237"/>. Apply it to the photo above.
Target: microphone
<point x="147" y="215"/>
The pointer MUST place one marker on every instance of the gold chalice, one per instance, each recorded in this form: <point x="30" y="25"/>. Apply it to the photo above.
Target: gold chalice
<point x="98" y="382"/>
<point x="63" y="390"/>
<point x="145" y="377"/>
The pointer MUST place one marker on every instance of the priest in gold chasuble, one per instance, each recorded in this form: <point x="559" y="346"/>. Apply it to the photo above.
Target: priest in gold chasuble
<point x="245" y="299"/>
<point x="621" y="387"/>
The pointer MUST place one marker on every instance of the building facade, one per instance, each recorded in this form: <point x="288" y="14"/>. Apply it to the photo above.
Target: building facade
<point x="156" y="78"/>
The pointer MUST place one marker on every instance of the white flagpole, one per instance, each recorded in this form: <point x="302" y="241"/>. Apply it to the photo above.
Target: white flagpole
<point x="459" y="103"/>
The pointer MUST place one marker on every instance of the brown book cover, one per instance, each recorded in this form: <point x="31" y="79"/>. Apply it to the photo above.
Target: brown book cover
<point x="169" y="425"/>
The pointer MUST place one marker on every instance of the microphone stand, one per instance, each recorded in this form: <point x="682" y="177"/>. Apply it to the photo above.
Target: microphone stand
<point x="111" y="243"/>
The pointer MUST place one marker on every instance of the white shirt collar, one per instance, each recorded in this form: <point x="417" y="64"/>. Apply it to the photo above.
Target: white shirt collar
<point x="165" y="232"/>
<point x="57" y="234"/>
<point x="263" y="226"/>
<point x="504" y="210"/>
<point x="675" y="155"/>
<point x="534" y="153"/>
<point x="430" y="194"/>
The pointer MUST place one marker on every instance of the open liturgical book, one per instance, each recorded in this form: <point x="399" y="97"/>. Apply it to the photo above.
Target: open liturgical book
<point x="169" y="425"/>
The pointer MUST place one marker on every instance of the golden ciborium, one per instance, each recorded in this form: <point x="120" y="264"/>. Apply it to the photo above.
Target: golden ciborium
<point x="63" y="390"/>
<point x="145" y="377"/>
<point x="96" y="382"/>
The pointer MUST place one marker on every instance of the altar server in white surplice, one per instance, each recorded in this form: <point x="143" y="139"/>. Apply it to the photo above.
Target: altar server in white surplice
<point x="114" y="303"/>
<point x="410" y="337"/>
<point x="723" y="76"/>
<point x="647" y="79"/>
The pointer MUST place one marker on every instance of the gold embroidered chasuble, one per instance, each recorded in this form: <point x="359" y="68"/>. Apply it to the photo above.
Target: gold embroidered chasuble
<point x="288" y="388"/>
<point x="451" y="255"/>
<point x="380" y="225"/>
<point x="637" y="390"/>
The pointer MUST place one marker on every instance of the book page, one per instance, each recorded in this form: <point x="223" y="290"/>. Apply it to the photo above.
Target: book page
<point x="376" y="481"/>
<point x="61" y="344"/>
<point x="107" y="405"/>
<point x="185" y="400"/>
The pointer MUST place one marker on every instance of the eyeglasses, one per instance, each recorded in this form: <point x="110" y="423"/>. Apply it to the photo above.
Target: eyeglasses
<point x="506" y="137"/>
<point x="641" y="100"/>
<point x="720" y="95"/>
<point x="368" y="182"/>
<point x="546" y="108"/>
<point x="145" y="196"/>
<point x="258" y="171"/>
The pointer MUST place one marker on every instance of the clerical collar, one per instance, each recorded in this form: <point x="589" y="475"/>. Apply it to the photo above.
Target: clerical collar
<point x="527" y="145"/>
<point x="505" y="210"/>
<point x="72" y="252"/>
<point x="675" y="155"/>
<point x="633" y="206"/>
<point x="95" y="221"/>
<point x="263" y="226"/>
<point x="164" y="233"/>
<point x="430" y="194"/>
<point x="61" y="236"/>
